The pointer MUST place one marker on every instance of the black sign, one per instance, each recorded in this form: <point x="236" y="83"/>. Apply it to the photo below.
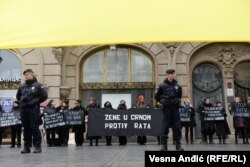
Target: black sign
<point x="240" y="110"/>
<point x="136" y="121"/>
<point x="184" y="114"/>
<point x="74" y="117"/>
<point x="9" y="118"/>
<point x="213" y="114"/>
<point x="53" y="120"/>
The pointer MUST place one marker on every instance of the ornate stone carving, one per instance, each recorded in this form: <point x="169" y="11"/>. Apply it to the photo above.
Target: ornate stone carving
<point x="59" y="53"/>
<point x="171" y="46"/>
<point x="227" y="56"/>
<point x="64" y="92"/>
<point x="118" y="85"/>
<point x="228" y="72"/>
<point x="227" y="53"/>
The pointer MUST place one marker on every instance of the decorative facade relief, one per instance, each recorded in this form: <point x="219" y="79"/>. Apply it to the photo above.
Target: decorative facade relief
<point x="59" y="53"/>
<point x="171" y="46"/>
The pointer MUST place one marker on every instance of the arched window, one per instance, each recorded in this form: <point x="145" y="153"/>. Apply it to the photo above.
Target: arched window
<point x="118" y="65"/>
<point x="10" y="74"/>
<point x="117" y="71"/>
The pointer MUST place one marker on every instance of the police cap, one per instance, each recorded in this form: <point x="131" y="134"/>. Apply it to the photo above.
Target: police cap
<point x="170" y="71"/>
<point x="27" y="70"/>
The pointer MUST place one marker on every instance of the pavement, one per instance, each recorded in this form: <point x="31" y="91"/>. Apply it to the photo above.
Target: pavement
<point x="131" y="155"/>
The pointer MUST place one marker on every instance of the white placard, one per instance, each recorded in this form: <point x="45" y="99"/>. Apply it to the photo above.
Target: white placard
<point x="115" y="99"/>
<point x="230" y="92"/>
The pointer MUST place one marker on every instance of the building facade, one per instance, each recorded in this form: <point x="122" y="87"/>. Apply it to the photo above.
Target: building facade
<point x="215" y="70"/>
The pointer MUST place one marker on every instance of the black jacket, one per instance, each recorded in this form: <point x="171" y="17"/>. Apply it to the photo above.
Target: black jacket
<point x="31" y="93"/>
<point x="169" y="93"/>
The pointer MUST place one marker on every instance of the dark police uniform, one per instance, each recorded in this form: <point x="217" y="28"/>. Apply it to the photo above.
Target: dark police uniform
<point x="30" y="94"/>
<point x="169" y="95"/>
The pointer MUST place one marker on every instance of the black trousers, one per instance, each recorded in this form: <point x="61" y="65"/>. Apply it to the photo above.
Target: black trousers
<point x="50" y="136"/>
<point x="30" y="117"/>
<point x="16" y="131"/>
<point x="63" y="133"/>
<point x="108" y="140"/>
<point x="123" y="140"/>
<point x="171" y="115"/>
<point x="79" y="131"/>
<point x="187" y="128"/>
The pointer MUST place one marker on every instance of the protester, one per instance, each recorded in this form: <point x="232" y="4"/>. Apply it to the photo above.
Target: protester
<point x="141" y="104"/>
<point x="16" y="130"/>
<point x="79" y="129"/>
<point x="207" y="127"/>
<point x="239" y="123"/>
<point x="51" y="132"/>
<point x="63" y="131"/>
<point x="122" y="106"/>
<point x="107" y="106"/>
<point x="92" y="104"/>
<point x="222" y="128"/>
<point x="189" y="126"/>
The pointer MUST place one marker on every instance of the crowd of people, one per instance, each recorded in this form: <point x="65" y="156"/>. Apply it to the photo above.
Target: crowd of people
<point x="208" y="129"/>
<point x="168" y="97"/>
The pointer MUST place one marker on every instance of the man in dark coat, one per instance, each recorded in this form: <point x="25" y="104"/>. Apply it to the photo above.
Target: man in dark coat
<point x="79" y="129"/>
<point x="169" y="95"/>
<point x="30" y="94"/>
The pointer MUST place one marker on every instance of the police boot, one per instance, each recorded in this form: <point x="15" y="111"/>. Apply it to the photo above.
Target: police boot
<point x="38" y="148"/>
<point x="26" y="149"/>
<point x="178" y="146"/>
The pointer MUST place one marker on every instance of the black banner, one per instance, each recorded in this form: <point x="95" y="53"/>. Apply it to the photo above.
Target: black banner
<point x="213" y="114"/>
<point x="184" y="114"/>
<point x="136" y="121"/>
<point x="196" y="158"/>
<point x="240" y="110"/>
<point x="53" y="120"/>
<point x="10" y="118"/>
<point x="74" y="117"/>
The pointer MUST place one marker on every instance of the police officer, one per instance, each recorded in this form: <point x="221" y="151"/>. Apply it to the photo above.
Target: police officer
<point x="169" y="96"/>
<point x="30" y="94"/>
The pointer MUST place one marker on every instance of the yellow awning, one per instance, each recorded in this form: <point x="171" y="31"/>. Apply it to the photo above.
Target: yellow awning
<point x="46" y="23"/>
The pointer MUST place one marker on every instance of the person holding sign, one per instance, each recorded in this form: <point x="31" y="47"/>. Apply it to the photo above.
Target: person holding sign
<point x="30" y="94"/>
<point x="79" y="129"/>
<point x="169" y="95"/>
<point x="63" y="131"/>
<point x="238" y="110"/>
<point x="50" y="133"/>
<point x="222" y="128"/>
<point x="207" y="127"/>
<point x="190" y="124"/>
<point x="141" y="104"/>
<point x="108" y="105"/>
<point x="92" y="104"/>
<point x="16" y="130"/>
<point x="122" y="106"/>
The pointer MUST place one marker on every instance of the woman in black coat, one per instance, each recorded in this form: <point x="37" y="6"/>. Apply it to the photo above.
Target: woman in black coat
<point x="189" y="126"/>
<point x="79" y="129"/>
<point x="50" y="133"/>
<point x="122" y="139"/>
<point x="207" y="128"/>
<point x="92" y="104"/>
<point x="108" y="105"/>
<point x="222" y="128"/>
<point x="16" y="130"/>
<point x="63" y="131"/>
